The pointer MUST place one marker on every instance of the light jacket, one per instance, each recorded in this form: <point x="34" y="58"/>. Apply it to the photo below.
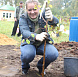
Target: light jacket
<point x="17" y="11"/>
<point x="27" y="28"/>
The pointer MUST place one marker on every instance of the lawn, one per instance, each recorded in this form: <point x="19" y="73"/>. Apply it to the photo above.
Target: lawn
<point x="7" y="26"/>
<point x="63" y="38"/>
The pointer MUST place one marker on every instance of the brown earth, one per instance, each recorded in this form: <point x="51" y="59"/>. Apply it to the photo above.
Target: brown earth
<point x="10" y="63"/>
<point x="4" y="40"/>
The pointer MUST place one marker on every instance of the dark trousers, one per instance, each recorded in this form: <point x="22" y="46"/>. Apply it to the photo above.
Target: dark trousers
<point x="15" y="28"/>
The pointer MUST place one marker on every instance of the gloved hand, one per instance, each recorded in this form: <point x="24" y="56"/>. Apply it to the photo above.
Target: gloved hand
<point x="41" y="36"/>
<point x="48" y="14"/>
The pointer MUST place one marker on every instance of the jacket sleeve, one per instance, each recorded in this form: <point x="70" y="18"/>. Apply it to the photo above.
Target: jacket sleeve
<point x="15" y="13"/>
<point x="54" y="22"/>
<point x="25" y="31"/>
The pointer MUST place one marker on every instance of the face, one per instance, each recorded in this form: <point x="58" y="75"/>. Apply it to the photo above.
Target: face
<point x="20" y="4"/>
<point x="32" y="11"/>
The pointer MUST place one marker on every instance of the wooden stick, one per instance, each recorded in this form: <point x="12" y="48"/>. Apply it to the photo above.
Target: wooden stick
<point x="45" y="4"/>
<point x="44" y="59"/>
<point x="44" y="52"/>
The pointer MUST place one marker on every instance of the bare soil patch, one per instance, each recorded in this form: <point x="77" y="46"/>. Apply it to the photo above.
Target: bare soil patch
<point x="10" y="63"/>
<point x="4" y="40"/>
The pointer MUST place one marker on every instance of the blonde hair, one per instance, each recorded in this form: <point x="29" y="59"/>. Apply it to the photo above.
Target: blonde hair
<point x="30" y="1"/>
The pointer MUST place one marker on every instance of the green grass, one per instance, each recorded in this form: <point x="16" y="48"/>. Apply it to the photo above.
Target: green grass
<point x="7" y="26"/>
<point x="63" y="38"/>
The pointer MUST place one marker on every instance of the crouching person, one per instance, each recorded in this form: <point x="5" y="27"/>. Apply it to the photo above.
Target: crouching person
<point x="33" y="36"/>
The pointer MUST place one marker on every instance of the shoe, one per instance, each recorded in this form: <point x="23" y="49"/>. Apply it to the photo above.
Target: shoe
<point x="12" y="35"/>
<point x="40" y="72"/>
<point x="24" y="71"/>
<point x="18" y="35"/>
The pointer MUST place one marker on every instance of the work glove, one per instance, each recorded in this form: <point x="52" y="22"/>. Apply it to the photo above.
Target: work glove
<point x="41" y="36"/>
<point x="48" y="14"/>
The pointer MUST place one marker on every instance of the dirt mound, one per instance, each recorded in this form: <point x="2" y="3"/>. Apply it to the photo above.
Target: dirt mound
<point x="70" y="46"/>
<point x="4" y="40"/>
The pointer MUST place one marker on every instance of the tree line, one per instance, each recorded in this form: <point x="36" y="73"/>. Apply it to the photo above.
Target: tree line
<point x="59" y="7"/>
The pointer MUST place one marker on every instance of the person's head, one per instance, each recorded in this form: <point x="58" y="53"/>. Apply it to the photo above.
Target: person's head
<point x="32" y="8"/>
<point x="21" y="3"/>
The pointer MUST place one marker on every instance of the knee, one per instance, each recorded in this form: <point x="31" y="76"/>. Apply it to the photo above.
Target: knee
<point x="27" y="58"/>
<point x="52" y="56"/>
<point x="27" y="53"/>
<point x="24" y="56"/>
<point x="55" y="55"/>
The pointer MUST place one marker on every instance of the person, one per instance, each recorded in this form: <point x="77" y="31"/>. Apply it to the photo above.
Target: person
<point x="34" y="35"/>
<point x="18" y="11"/>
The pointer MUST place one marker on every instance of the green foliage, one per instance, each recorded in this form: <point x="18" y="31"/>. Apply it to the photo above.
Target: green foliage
<point x="61" y="7"/>
<point x="65" y="7"/>
<point x="64" y="20"/>
<point x="41" y="1"/>
<point x="27" y="41"/>
<point x="50" y="42"/>
<point x="23" y="41"/>
<point x="32" y="35"/>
